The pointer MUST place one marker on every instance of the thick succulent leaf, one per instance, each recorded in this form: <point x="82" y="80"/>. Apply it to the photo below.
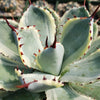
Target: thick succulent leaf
<point x="65" y="93"/>
<point x="94" y="46"/>
<point x="43" y="20"/>
<point x="8" y="78"/>
<point x="7" y="40"/>
<point x="8" y="52"/>
<point x="13" y="22"/>
<point x="55" y="15"/>
<point x="92" y="89"/>
<point x="95" y="30"/>
<point x="38" y="82"/>
<point x="76" y="38"/>
<point x="84" y="71"/>
<point x="24" y="95"/>
<point x="74" y="12"/>
<point x="29" y="45"/>
<point x="50" y="60"/>
<point x="56" y="18"/>
<point x="77" y="12"/>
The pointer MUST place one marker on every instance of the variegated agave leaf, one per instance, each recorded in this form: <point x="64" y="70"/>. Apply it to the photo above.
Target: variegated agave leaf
<point x="49" y="65"/>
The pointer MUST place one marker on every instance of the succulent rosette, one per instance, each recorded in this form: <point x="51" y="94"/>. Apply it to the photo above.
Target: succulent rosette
<point x="45" y="57"/>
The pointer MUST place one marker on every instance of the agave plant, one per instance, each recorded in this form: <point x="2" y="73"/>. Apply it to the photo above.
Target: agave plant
<point x="44" y="57"/>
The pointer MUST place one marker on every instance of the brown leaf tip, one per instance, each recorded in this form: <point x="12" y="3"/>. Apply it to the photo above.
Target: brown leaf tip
<point x="54" y="43"/>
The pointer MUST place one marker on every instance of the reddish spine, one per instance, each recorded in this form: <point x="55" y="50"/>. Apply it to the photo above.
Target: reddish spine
<point x="54" y="43"/>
